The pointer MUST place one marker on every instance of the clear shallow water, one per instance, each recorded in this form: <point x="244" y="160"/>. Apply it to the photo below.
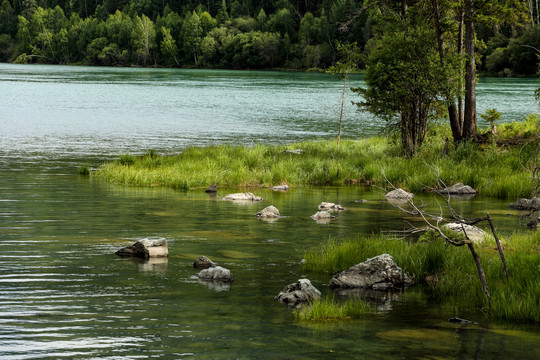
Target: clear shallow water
<point x="63" y="292"/>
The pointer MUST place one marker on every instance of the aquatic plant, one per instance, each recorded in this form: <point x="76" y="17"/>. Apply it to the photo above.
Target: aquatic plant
<point x="83" y="170"/>
<point x="330" y="308"/>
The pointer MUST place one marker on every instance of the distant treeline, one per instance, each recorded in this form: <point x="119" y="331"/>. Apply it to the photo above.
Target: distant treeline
<point x="239" y="34"/>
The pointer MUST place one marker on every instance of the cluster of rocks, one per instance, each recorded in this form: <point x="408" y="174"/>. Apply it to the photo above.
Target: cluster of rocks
<point x="532" y="204"/>
<point x="155" y="249"/>
<point x="379" y="274"/>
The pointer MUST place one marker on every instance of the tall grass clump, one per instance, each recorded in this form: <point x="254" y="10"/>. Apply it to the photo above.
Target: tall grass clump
<point x="449" y="273"/>
<point x="83" y="170"/>
<point x="329" y="308"/>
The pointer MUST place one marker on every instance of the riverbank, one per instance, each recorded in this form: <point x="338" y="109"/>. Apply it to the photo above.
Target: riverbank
<point x="497" y="167"/>
<point x="448" y="274"/>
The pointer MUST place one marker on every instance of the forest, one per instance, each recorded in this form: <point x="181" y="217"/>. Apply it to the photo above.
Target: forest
<point x="242" y="34"/>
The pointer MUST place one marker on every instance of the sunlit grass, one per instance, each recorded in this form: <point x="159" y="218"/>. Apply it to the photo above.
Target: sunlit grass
<point x="494" y="171"/>
<point x="330" y="308"/>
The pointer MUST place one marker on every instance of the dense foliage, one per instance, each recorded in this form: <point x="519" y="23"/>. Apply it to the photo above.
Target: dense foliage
<point x="239" y="34"/>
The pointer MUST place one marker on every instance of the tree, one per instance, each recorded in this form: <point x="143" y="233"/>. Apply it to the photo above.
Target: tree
<point x="350" y="58"/>
<point x="168" y="45"/>
<point x="8" y="19"/>
<point x="144" y="37"/>
<point x="406" y="79"/>
<point x="469" y="120"/>
<point x="192" y="36"/>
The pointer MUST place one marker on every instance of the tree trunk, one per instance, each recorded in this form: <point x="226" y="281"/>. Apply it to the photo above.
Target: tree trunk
<point x="407" y="136"/>
<point x="469" y="121"/>
<point x="455" y="124"/>
<point x="461" y="114"/>
<point x="342" y="103"/>
<point x="481" y="274"/>
<point x="499" y="247"/>
<point x="404" y="8"/>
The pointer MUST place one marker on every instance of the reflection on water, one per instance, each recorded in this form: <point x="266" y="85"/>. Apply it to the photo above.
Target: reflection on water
<point x="63" y="292"/>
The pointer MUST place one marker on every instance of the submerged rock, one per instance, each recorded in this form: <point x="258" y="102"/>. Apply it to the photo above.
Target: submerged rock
<point x="242" y="197"/>
<point x="212" y="188"/>
<point x="217" y="273"/>
<point x="282" y="187"/>
<point x="474" y="233"/>
<point x="299" y="292"/>
<point x="323" y="216"/>
<point x="330" y="206"/>
<point x="526" y="204"/>
<point x="145" y="248"/>
<point x="458" y="189"/>
<point x="377" y="273"/>
<point x="203" y="263"/>
<point x="462" y="321"/>
<point x="399" y="194"/>
<point x="269" y="212"/>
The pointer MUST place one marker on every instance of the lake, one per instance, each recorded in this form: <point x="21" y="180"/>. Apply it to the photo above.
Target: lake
<point x="63" y="292"/>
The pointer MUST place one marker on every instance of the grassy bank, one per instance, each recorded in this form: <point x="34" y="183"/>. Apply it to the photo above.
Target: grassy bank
<point x="494" y="170"/>
<point x="449" y="272"/>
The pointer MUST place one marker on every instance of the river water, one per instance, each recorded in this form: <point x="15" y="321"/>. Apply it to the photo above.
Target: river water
<point x="63" y="292"/>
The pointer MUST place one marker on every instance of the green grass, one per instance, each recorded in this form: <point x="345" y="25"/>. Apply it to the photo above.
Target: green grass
<point x="83" y="170"/>
<point x="330" y="308"/>
<point x="495" y="171"/>
<point x="451" y="270"/>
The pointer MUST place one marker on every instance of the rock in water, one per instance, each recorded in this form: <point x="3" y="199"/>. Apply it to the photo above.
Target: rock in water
<point x="212" y="188"/>
<point x="203" y="263"/>
<point x="242" y="197"/>
<point x="331" y="206"/>
<point x="322" y="215"/>
<point x="217" y="273"/>
<point x="526" y="204"/>
<point x="378" y="273"/>
<point x="268" y="212"/>
<point x="299" y="292"/>
<point x="458" y="189"/>
<point x="282" y="187"/>
<point x="474" y="233"/>
<point x="145" y="248"/>
<point x="399" y="194"/>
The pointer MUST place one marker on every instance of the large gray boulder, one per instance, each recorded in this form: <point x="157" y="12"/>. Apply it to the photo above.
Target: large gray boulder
<point x="247" y="196"/>
<point x="145" y="249"/>
<point x="203" y="263"/>
<point x="458" y="189"/>
<point x="377" y="273"/>
<point x="217" y="273"/>
<point x="399" y="194"/>
<point x="526" y="204"/>
<point x="299" y="292"/>
<point x="330" y="206"/>
<point x="269" y="212"/>
<point x="474" y="233"/>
